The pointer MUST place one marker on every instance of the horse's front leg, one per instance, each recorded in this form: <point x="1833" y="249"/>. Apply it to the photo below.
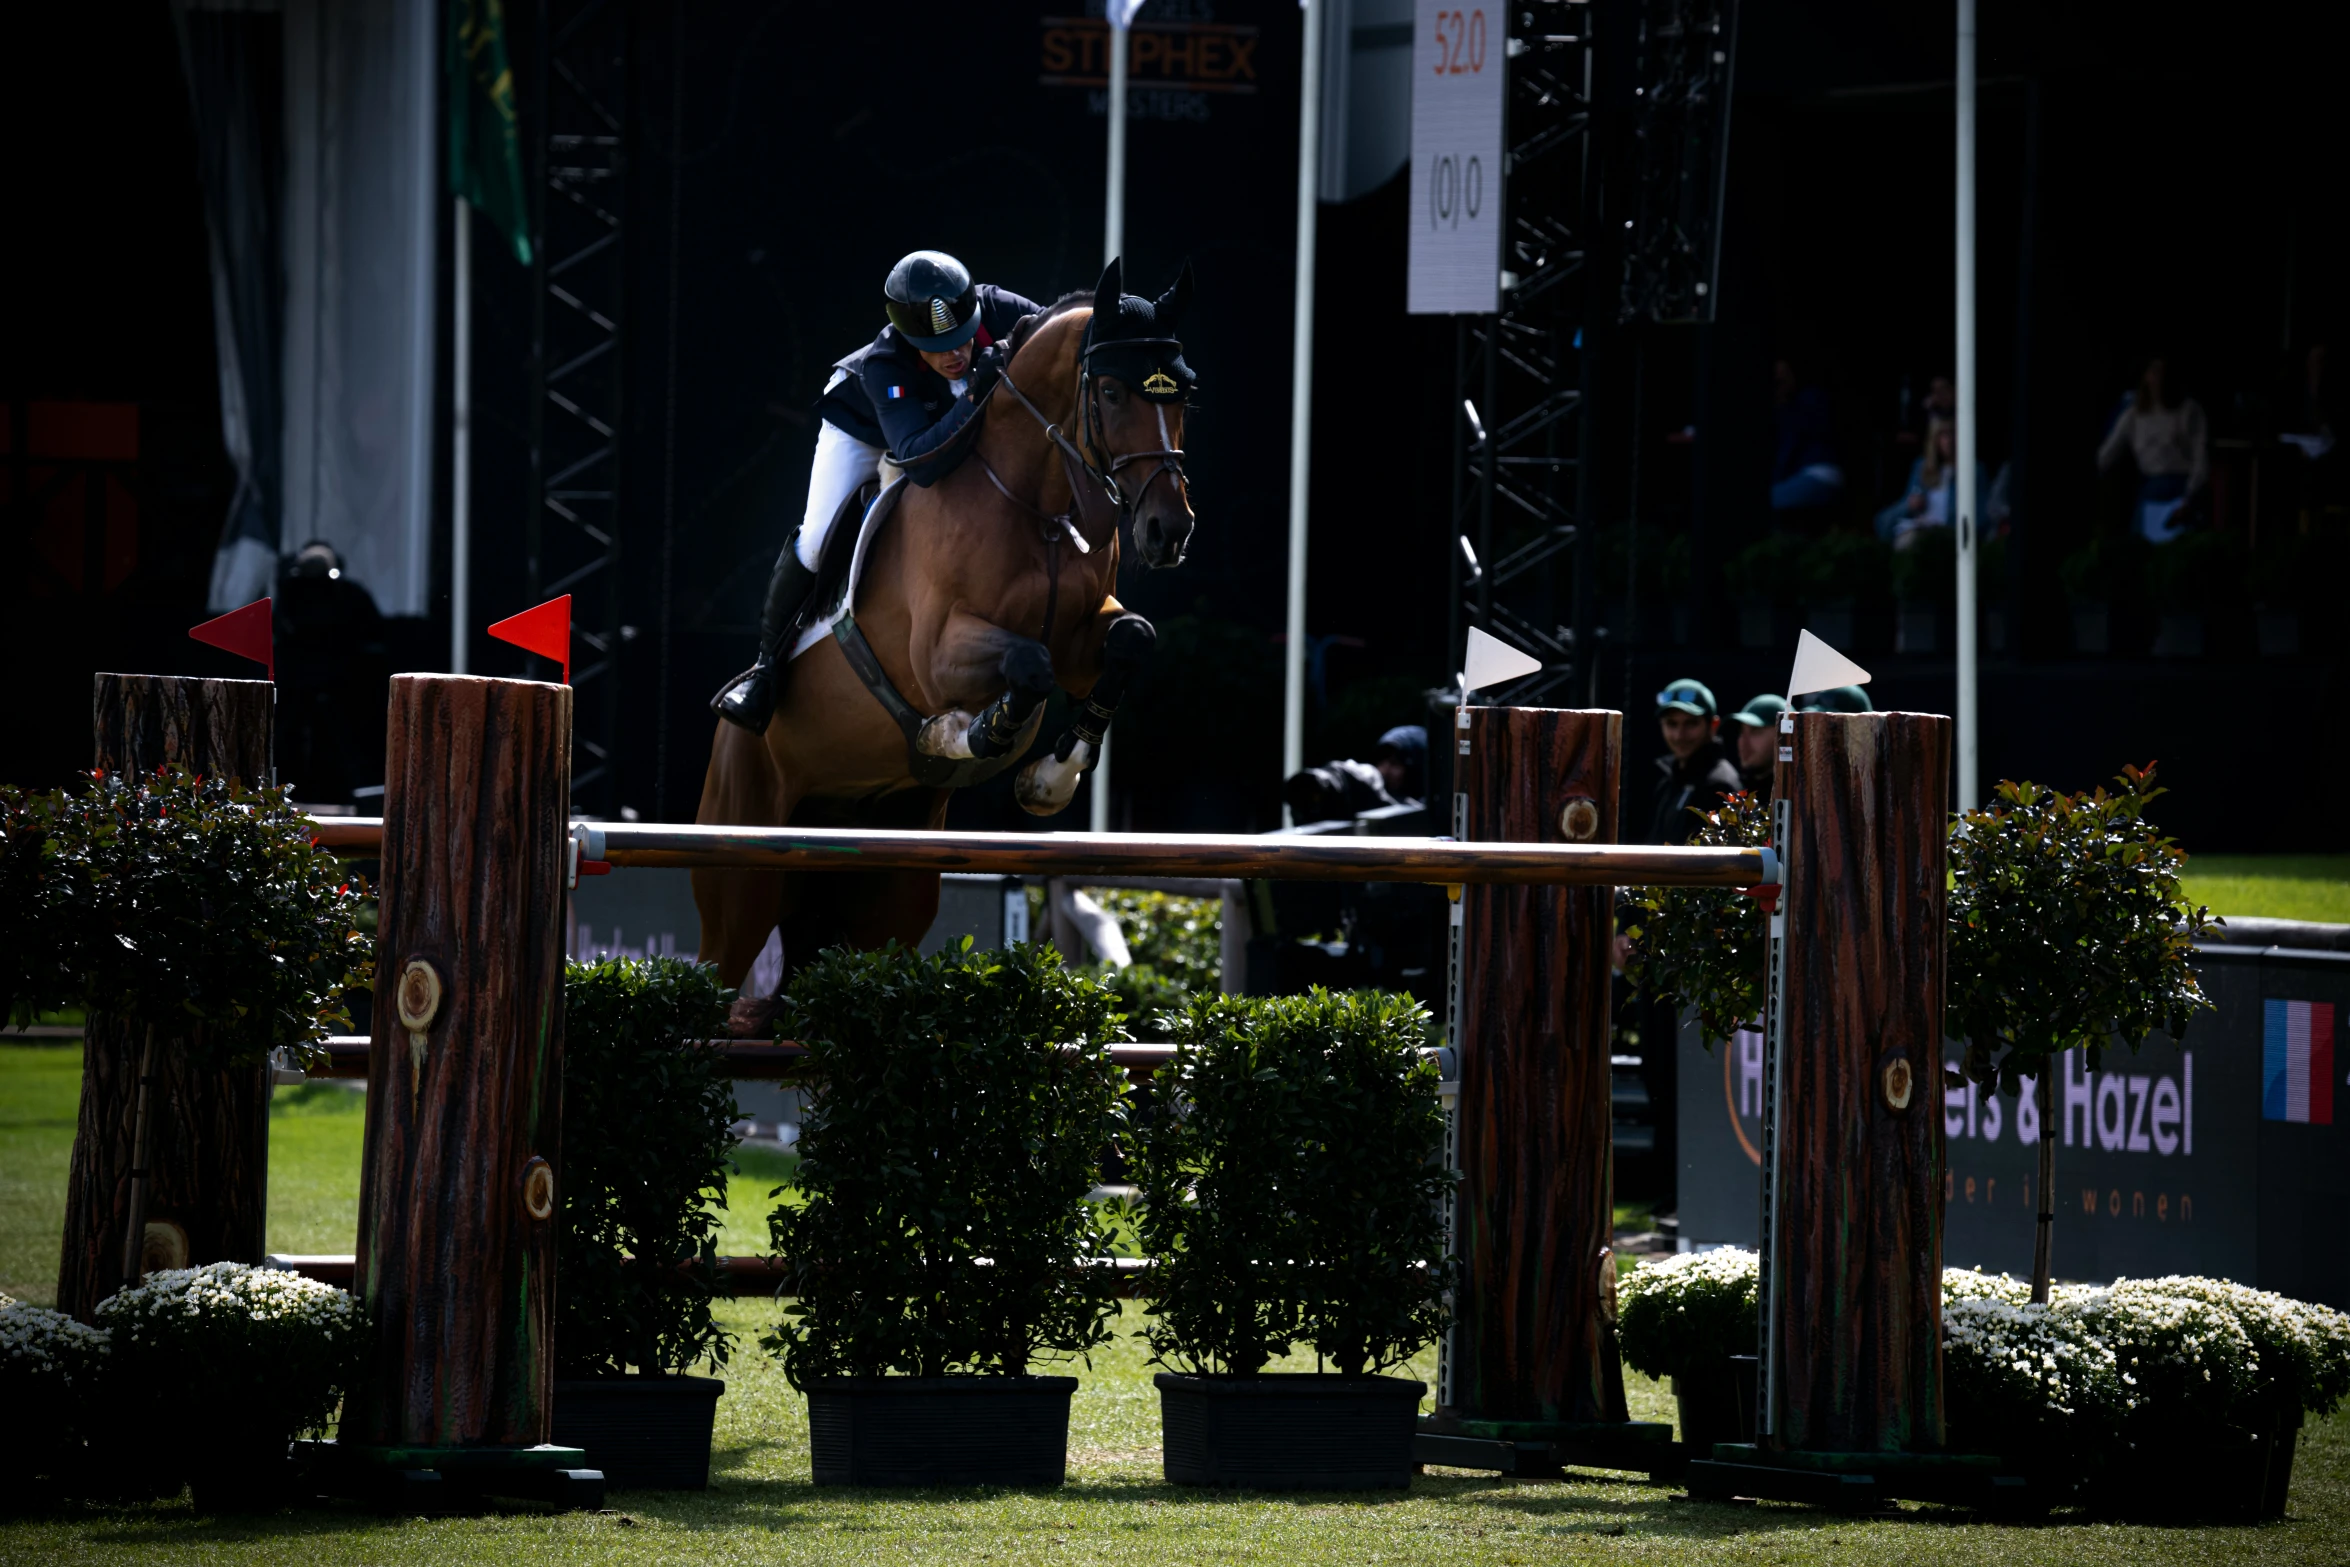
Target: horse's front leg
<point x="1046" y="785"/>
<point x="971" y="657"/>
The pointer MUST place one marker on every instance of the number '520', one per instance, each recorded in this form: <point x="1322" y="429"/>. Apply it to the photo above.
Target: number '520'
<point x="1460" y="42"/>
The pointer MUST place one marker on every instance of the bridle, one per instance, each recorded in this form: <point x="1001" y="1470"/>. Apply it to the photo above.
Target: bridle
<point x="1094" y="459"/>
<point x="1100" y="466"/>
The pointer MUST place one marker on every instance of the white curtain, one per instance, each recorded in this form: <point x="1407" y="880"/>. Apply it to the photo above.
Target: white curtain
<point x="361" y="212"/>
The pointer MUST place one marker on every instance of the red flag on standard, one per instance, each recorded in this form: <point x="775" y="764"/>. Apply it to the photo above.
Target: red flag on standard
<point x="247" y="632"/>
<point x="545" y="631"/>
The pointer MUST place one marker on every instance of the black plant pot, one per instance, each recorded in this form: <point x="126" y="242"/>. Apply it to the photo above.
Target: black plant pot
<point x="940" y="1430"/>
<point x="644" y="1433"/>
<point x="1716" y="1404"/>
<point x="241" y="1473"/>
<point x="1295" y="1432"/>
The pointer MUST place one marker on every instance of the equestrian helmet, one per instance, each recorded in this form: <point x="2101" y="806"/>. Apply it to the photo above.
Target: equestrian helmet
<point x="931" y="301"/>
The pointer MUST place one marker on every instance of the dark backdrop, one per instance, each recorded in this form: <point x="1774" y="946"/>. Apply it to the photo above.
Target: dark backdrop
<point x="2151" y="176"/>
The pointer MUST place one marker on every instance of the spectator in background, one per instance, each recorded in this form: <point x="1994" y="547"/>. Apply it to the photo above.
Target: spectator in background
<point x="1754" y="732"/>
<point x="333" y="665"/>
<point x="1402" y="759"/>
<point x="1836" y="699"/>
<point x="1931" y="498"/>
<point x="2167" y="437"/>
<point x="1696" y="773"/>
<point x="1804" y="472"/>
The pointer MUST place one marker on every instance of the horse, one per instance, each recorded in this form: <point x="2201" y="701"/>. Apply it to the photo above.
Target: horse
<point x="978" y="595"/>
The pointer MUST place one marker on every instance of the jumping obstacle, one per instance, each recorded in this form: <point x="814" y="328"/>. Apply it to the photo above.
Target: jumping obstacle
<point x="208" y="1186"/>
<point x="458" y="1190"/>
<point x="1529" y="1380"/>
<point x="1849" y="1407"/>
<point x="461" y="1115"/>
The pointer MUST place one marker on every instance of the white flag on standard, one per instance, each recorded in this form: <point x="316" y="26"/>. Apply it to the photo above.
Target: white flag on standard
<point x="1819" y="667"/>
<point x="1491" y="662"/>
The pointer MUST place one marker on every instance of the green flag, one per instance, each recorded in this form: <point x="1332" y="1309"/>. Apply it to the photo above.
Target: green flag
<point x="485" y="137"/>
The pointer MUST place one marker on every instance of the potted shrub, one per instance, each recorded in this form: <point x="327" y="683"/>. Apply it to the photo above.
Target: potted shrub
<point x="1692" y="1318"/>
<point x="2068" y="929"/>
<point x="1842" y="573"/>
<point x="961" y="1105"/>
<point x="1924" y="575"/>
<point x="225" y="1365"/>
<point x="2092" y="581"/>
<point x="2292" y="578"/>
<point x="647" y="1118"/>
<point x="1703" y="946"/>
<point x="51" y="1371"/>
<point x="2190" y="580"/>
<point x="1292" y="1185"/>
<point x="198" y="912"/>
<point x="1765" y="580"/>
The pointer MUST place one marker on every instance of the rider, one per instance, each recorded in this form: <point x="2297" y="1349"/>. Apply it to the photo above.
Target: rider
<point x="913" y="394"/>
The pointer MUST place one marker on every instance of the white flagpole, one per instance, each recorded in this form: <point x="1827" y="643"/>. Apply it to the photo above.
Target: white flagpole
<point x="1969" y="732"/>
<point x="1120" y="13"/>
<point x="461" y="441"/>
<point x="1301" y="396"/>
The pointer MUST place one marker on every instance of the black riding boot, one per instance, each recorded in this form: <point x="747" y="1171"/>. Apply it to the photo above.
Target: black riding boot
<point x="749" y="699"/>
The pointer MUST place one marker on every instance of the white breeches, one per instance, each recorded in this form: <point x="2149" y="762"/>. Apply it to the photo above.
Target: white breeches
<point x="842" y="464"/>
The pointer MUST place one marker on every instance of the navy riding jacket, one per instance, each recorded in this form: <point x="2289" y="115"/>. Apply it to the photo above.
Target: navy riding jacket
<point x="889" y="398"/>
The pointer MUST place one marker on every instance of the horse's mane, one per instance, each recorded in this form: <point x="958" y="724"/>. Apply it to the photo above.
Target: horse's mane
<point x="1027" y="325"/>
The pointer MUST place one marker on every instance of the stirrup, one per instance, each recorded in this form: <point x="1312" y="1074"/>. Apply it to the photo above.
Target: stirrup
<point x="735" y="704"/>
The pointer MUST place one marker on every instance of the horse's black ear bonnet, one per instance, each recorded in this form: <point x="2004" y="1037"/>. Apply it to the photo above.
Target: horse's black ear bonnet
<point x="1134" y="338"/>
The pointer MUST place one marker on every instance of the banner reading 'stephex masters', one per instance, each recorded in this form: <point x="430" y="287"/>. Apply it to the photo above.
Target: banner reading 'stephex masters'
<point x="2219" y="1154"/>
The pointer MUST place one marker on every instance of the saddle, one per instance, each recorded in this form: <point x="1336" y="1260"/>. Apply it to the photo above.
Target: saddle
<point x="830" y="610"/>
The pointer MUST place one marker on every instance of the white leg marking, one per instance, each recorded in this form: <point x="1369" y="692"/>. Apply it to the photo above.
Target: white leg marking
<point x="1047" y="785"/>
<point x="948" y="735"/>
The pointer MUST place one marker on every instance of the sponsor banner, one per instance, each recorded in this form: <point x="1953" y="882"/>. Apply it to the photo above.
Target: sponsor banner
<point x="2169" y="1160"/>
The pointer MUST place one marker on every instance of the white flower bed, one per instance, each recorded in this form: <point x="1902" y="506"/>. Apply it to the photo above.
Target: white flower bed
<point x="225" y="1348"/>
<point x="1686" y="1312"/>
<point x="45" y="1350"/>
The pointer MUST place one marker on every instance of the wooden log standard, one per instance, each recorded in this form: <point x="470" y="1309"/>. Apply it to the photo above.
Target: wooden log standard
<point x="1531" y="1360"/>
<point x="457" y="1194"/>
<point x="208" y="1186"/>
<point x="1270" y="856"/>
<point x="1854" y="1336"/>
<point x="1850" y="1408"/>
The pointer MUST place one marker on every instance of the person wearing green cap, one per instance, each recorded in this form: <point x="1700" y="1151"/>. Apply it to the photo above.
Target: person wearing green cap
<point x="1836" y="699"/>
<point x="1755" y="737"/>
<point x="1697" y="772"/>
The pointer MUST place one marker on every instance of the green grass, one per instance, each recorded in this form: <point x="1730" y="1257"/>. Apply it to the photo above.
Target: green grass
<point x="762" y="1509"/>
<point x="40" y="1086"/>
<point x="2273" y="886"/>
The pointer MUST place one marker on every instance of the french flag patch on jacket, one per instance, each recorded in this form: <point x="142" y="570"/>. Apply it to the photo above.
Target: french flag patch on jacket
<point x="896" y="392"/>
<point x="2297" y="1062"/>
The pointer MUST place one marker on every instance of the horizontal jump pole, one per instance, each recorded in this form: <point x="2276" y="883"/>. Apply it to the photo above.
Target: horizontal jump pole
<point x="1255" y="857"/>
<point x="746" y="1060"/>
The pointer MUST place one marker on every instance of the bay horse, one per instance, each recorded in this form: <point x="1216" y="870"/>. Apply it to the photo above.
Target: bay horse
<point x="977" y="596"/>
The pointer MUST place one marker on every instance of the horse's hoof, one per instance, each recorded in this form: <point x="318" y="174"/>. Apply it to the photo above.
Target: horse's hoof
<point x="1047" y="785"/>
<point x="947" y="735"/>
<point x="751" y="1017"/>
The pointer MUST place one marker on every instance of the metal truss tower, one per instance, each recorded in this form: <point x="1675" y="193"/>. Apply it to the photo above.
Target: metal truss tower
<point x="577" y="340"/>
<point x="1672" y="254"/>
<point x="1520" y="483"/>
<point x="1631" y="96"/>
